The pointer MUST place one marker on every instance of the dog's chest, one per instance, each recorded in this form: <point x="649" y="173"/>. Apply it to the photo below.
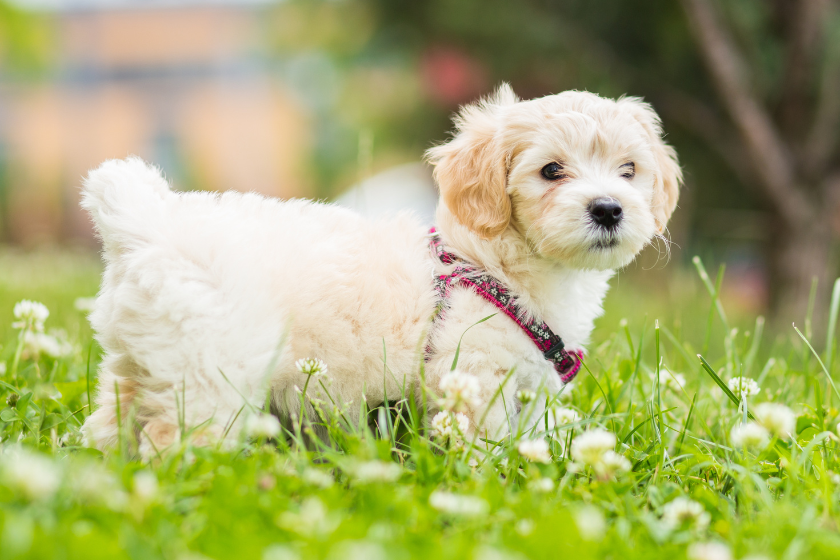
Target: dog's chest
<point x="571" y="303"/>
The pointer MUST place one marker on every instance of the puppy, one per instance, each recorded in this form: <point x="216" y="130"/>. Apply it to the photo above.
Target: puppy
<point x="208" y="300"/>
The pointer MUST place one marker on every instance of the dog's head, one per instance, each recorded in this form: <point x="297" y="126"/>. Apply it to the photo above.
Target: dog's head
<point x="587" y="181"/>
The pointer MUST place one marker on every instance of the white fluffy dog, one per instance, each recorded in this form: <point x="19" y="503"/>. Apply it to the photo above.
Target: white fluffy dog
<point x="209" y="298"/>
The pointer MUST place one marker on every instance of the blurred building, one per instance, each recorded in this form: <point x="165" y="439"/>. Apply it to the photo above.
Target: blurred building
<point x="185" y="85"/>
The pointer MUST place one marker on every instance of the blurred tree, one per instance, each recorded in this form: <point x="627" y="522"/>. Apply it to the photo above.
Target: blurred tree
<point x="775" y="67"/>
<point x="749" y="91"/>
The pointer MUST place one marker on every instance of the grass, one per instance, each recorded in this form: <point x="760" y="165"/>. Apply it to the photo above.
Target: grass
<point x="389" y="490"/>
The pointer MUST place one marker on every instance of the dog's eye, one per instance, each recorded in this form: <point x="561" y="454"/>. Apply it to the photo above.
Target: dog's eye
<point x="553" y="171"/>
<point x="628" y="170"/>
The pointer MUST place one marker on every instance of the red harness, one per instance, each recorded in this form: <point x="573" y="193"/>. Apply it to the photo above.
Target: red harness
<point x="566" y="362"/>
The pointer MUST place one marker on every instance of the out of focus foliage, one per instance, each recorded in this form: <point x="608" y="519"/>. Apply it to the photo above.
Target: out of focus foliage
<point x="404" y="67"/>
<point x="370" y="84"/>
<point x="25" y="42"/>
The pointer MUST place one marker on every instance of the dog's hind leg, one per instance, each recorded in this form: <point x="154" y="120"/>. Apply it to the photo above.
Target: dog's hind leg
<point x="155" y="418"/>
<point x="197" y="410"/>
<point x="118" y="388"/>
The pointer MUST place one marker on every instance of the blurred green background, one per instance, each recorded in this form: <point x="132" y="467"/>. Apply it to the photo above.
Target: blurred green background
<point x="308" y="98"/>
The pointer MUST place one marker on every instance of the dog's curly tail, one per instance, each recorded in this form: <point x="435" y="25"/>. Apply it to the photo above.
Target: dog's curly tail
<point x="125" y="199"/>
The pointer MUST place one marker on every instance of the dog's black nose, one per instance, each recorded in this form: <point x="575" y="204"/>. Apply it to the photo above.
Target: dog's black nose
<point x="605" y="211"/>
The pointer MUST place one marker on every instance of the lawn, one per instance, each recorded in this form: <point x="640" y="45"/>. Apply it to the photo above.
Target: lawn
<point x="657" y="459"/>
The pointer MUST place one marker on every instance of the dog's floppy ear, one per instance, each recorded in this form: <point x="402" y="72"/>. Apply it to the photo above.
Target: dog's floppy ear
<point x="666" y="188"/>
<point x="471" y="169"/>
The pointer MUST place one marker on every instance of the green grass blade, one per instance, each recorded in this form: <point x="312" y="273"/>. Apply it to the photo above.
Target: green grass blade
<point x="87" y="378"/>
<point x="626" y="328"/>
<point x="604" y="394"/>
<point x="686" y="425"/>
<point x="246" y="401"/>
<point x="809" y="315"/>
<point x="758" y="331"/>
<point x="496" y="394"/>
<point x="713" y="289"/>
<point x="817" y="356"/>
<point x="680" y="348"/>
<point x="832" y="325"/>
<point x="726" y="391"/>
<point x="656" y="372"/>
<point x="458" y="348"/>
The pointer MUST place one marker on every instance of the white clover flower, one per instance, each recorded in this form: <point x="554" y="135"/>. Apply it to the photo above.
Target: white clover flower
<point x="358" y="550"/>
<point x="460" y="390"/>
<point x="84" y="304"/>
<point x="685" y="512"/>
<point x="447" y="426"/>
<point x="375" y="471"/>
<point x="524" y="527"/>
<point x="312" y="519"/>
<point x="590" y="446"/>
<point x="590" y="523"/>
<point x="145" y="486"/>
<point x="750" y="435"/>
<point x="31" y="474"/>
<point x="52" y="345"/>
<point x="30" y="315"/>
<point x="564" y="416"/>
<point x="312" y="366"/>
<point x="280" y="552"/>
<point x="319" y="478"/>
<point x="743" y="387"/>
<point x="94" y="484"/>
<point x="262" y="426"/>
<point x="777" y="418"/>
<point x="675" y="381"/>
<point x="611" y="464"/>
<point x="382" y="531"/>
<point x="457" y="504"/>
<point x="543" y="485"/>
<point x="487" y="552"/>
<point x="709" y="551"/>
<point x="525" y="396"/>
<point x="535" y="450"/>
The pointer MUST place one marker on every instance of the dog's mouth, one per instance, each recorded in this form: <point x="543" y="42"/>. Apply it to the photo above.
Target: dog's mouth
<point x="607" y="240"/>
<point x="605" y="243"/>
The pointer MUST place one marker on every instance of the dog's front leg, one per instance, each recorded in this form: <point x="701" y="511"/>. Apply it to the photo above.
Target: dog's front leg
<point x="534" y="420"/>
<point x="492" y="411"/>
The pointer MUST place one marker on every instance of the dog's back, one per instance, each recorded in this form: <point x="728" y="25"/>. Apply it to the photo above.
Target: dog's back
<point x="200" y="284"/>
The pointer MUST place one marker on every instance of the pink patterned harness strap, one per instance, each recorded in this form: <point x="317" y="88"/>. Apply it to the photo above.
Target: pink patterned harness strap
<point x="566" y="362"/>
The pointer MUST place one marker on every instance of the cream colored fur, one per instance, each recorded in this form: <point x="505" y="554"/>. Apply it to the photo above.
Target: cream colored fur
<point x="200" y="284"/>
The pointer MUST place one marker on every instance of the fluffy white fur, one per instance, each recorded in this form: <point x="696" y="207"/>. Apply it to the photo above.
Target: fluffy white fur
<point x="197" y="284"/>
